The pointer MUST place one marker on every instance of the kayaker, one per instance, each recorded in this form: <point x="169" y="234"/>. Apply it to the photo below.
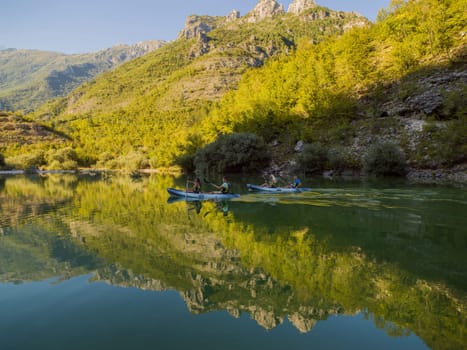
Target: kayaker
<point x="272" y="181"/>
<point x="296" y="182"/>
<point x="225" y="187"/>
<point x="196" y="185"/>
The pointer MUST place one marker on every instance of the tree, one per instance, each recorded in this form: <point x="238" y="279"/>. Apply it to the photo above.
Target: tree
<point x="241" y="152"/>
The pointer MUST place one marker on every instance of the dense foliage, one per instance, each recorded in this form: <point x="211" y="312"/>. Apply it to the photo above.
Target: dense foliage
<point x="313" y="158"/>
<point x="318" y="88"/>
<point x="233" y="153"/>
<point x="384" y="158"/>
<point x="315" y="94"/>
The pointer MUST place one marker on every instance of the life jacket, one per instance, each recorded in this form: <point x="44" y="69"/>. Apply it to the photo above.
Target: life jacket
<point x="226" y="190"/>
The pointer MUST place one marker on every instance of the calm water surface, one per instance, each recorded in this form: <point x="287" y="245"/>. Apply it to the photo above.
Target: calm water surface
<point x="110" y="263"/>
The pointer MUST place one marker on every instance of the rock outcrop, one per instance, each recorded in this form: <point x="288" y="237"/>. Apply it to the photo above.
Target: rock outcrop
<point x="264" y="9"/>
<point x="196" y="25"/>
<point x="428" y="96"/>
<point x="298" y="6"/>
<point x="232" y="16"/>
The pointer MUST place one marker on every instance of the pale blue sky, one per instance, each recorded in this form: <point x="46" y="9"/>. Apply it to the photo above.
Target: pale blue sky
<point x="75" y="26"/>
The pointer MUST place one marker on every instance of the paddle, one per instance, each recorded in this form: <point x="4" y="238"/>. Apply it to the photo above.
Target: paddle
<point x="209" y="182"/>
<point x="186" y="187"/>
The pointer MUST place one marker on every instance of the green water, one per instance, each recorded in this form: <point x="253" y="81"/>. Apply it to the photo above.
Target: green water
<point x="109" y="263"/>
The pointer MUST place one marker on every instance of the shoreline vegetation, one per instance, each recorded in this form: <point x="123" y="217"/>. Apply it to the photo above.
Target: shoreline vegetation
<point x="455" y="176"/>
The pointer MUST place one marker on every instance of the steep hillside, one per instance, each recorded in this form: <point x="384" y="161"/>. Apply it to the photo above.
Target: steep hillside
<point x="19" y="133"/>
<point x="401" y="82"/>
<point x="149" y="104"/>
<point x="28" y="145"/>
<point x="344" y="87"/>
<point x="28" y="78"/>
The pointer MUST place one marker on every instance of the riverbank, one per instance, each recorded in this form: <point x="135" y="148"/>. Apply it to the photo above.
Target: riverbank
<point x="455" y="175"/>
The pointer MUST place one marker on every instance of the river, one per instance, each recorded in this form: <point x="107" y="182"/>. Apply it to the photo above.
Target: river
<point x="108" y="262"/>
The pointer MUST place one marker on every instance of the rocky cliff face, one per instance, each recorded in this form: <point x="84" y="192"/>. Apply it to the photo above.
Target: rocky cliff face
<point x="298" y="6"/>
<point x="233" y="15"/>
<point x="196" y="25"/>
<point x="264" y="9"/>
<point x="122" y="53"/>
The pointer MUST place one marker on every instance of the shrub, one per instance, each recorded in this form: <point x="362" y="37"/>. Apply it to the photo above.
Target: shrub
<point x="104" y="159"/>
<point x="241" y="152"/>
<point x="444" y="144"/>
<point x="186" y="162"/>
<point x="338" y="159"/>
<point x="384" y="158"/>
<point x="62" y="159"/>
<point x="133" y="161"/>
<point x="27" y="161"/>
<point x="2" y="161"/>
<point x="454" y="103"/>
<point x="153" y="162"/>
<point x="313" y="158"/>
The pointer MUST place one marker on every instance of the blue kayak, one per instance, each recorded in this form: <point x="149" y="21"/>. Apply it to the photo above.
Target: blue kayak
<point x="201" y="196"/>
<point x="265" y="189"/>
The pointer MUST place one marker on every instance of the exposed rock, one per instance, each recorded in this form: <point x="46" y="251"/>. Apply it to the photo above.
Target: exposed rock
<point x="264" y="9"/>
<point x="202" y="45"/>
<point x="232" y="16"/>
<point x="196" y="25"/>
<point x="265" y="318"/>
<point x="426" y="94"/>
<point x="298" y="6"/>
<point x="122" y="53"/>
<point x="304" y="319"/>
<point x="359" y="21"/>
<point x="299" y="146"/>
<point x="457" y="174"/>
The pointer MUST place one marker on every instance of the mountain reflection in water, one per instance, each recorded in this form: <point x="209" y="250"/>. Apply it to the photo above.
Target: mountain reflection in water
<point x="396" y="256"/>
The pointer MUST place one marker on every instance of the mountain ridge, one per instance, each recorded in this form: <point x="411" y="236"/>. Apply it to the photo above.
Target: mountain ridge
<point x="29" y="78"/>
<point x="174" y="86"/>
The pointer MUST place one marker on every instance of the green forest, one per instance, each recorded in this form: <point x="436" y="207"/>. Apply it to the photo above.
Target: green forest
<point x="283" y="80"/>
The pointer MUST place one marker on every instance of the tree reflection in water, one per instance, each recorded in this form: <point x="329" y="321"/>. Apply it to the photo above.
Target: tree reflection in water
<point x="303" y="258"/>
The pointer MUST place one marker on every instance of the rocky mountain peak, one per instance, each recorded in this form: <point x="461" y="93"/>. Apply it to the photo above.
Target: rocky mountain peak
<point x="196" y="25"/>
<point x="298" y="6"/>
<point x="264" y="9"/>
<point x="233" y="15"/>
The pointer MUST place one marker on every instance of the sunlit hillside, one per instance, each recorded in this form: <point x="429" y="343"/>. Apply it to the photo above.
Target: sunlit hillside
<point x="332" y="80"/>
<point x="150" y="104"/>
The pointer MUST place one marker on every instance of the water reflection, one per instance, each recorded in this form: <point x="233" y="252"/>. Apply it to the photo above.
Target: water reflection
<point x="397" y="256"/>
<point x="197" y="206"/>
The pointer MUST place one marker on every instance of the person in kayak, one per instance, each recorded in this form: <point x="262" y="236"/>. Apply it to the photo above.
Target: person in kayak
<point x="196" y="185"/>
<point x="271" y="182"/>
<point x="225" y="187"/>
<point x="296" y="182"/>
